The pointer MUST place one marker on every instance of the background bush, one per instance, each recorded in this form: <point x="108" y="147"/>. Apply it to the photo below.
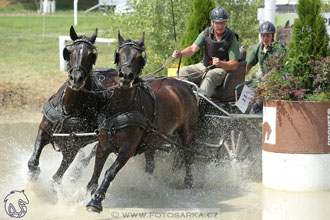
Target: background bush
<point x="198" y="20"/>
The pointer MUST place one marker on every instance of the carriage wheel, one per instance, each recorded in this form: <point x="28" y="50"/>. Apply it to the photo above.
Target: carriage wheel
<point x="236" y="148"/>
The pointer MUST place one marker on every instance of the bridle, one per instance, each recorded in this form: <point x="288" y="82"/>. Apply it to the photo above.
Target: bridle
<point x="80" y="67"/>
<point x="136" y="46"/>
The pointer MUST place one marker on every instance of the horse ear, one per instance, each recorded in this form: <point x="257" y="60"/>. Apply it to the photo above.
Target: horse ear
<point x="73" y="34"/>
<point x="93" y="38"/>
<point x="287" y="24"/>
<point x="66" y="54"/>
<point x="120" y="38"/>
<point x="141" y="41"/>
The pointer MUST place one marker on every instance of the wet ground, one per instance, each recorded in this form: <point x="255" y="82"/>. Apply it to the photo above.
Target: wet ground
<point x="221" y="191"/>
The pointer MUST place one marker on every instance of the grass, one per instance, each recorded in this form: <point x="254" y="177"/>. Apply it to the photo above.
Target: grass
<point x="32" y="42"/>
<point x="29" y="54"/>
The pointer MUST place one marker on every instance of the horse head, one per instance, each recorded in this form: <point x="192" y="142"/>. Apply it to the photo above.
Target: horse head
<point x="283" y="34"/>
<point x="130" y="60"/>
<point x="80" y="57"/>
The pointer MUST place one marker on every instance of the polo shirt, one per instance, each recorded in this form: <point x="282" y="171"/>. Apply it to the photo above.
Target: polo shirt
<point x="257" y="55"/>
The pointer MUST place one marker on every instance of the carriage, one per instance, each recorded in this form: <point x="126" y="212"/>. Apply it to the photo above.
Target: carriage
<point x="224" y="131"/>
<point x="128" y="115"/>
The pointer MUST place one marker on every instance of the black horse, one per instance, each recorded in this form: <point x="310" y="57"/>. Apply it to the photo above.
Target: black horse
<point x="75" y="106"/>
<point x="140" y="116"/>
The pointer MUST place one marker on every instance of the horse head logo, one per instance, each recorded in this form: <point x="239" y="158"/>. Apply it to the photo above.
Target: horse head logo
<point x="267" y="132"/>
<point x="15" y="204"/>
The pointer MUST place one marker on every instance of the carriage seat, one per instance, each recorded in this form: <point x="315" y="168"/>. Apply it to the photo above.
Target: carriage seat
<point x="226" y="91"/>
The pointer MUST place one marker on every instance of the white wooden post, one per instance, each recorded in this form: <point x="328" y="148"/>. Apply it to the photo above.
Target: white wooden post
<point x="63" y="40"/>
<point x="75" y="12"/>
<point x="270" y="8"/>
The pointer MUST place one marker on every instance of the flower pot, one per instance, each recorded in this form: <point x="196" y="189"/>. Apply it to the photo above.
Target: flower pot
<point x="296" y="145"/>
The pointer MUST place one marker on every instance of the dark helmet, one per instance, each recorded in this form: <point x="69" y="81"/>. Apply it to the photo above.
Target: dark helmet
<point x="267" y="28"/>
<point x="219" y="15"/>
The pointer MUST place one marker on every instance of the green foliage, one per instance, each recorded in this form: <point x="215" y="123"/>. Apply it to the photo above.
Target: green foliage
<point x="155" y="19"/>
<point x="198" y="20"/>
<point x="243" y="19"/>
<point x="321" y="80"/>
<point x="309" y="41"/>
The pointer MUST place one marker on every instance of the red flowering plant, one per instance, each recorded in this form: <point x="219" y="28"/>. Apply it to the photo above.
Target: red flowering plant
<point x="279" y="84"/>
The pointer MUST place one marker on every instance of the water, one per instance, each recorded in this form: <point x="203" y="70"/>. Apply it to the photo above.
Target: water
<point x="230" y="190"/>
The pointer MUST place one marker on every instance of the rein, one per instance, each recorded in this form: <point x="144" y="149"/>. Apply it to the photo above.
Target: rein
<point x="149" y="75"/>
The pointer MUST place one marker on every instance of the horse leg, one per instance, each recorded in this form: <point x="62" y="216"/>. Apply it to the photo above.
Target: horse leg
<point x="102" y="152"/>
<point x="124" y="154"/>
<point x="186" y="140"/>
<point x="88" y="159"/>
<point x="42" y="139"/>
<point x="83" y="163"/>
<point x="189" y="159"/>
<point x="149" y="155"/>
<point x="68" y="157"/>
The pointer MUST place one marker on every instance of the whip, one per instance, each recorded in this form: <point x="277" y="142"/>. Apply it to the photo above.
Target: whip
<point x="176" y="43"/>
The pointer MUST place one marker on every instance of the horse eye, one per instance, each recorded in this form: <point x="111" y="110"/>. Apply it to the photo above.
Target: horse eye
<point x="140" y="59"/>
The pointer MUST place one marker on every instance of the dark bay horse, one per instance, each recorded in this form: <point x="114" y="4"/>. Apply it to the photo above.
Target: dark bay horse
<point x="138" y="115"/>
<point x="75" y="106"/>
<point x="283" y="34"/>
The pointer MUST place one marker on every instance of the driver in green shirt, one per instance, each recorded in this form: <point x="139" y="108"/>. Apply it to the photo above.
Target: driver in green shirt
<point x="221" y="51"/>
<point x="262" y="52"/>
<point x="268" y="47"/>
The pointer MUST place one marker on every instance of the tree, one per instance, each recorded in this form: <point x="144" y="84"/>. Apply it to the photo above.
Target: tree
<point x="309" y="41"/>
<point x="154" y="17"/>
<point x="199" y="19"/>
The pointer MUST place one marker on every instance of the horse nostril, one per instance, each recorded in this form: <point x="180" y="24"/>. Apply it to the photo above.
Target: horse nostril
<point x="131" y="76"/>
<point x="80" y="79"/>
<point x="71" y="78"/>
<point x="121" y="75"/>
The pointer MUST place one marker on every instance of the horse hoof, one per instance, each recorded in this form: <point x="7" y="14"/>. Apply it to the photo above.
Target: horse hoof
<point x="188" y="183"/>
<point x="94" y="206"/>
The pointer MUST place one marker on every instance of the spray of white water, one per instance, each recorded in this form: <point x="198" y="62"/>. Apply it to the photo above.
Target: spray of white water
<point x="233" y="188"/>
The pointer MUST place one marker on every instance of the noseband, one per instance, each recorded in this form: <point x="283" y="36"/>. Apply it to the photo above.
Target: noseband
<point x="136" y="46"/>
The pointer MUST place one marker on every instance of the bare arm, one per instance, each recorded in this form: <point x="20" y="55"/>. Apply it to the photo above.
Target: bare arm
<point x="227" y="65"/>
<point x="187" y="52"/>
